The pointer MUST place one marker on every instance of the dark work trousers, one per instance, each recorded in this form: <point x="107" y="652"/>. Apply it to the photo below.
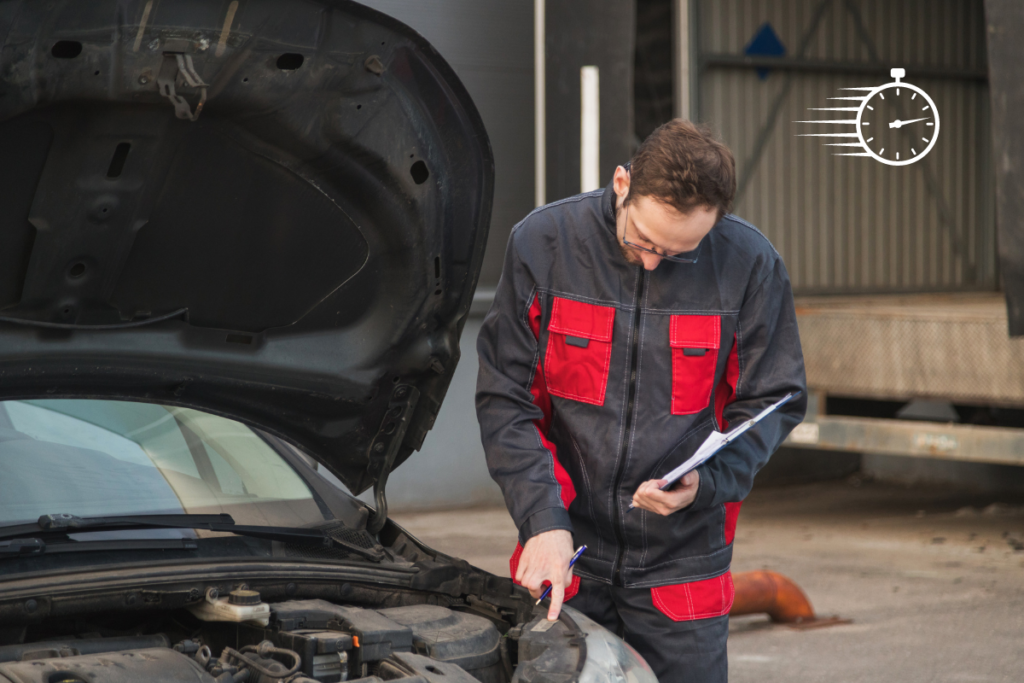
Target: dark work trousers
<point x="678" y="651"/>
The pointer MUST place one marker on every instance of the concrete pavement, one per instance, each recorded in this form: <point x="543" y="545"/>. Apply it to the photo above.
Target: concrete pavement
<point x="933" y="579"/>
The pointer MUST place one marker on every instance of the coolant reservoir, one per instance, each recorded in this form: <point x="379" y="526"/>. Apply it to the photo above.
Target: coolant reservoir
<point x="239" y="605"/>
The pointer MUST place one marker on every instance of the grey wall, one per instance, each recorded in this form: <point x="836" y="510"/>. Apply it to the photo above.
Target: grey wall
<point x="588" y="33"/>
<point x="489" y="44"/>
<point x="449" y="471"/>
<point x="965" y="475"/>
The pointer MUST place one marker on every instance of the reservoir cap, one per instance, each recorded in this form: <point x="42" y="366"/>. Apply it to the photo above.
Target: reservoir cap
<point x="243" y="597"/>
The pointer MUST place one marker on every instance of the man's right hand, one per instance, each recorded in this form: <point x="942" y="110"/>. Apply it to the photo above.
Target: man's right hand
<point x="546" y="558"/>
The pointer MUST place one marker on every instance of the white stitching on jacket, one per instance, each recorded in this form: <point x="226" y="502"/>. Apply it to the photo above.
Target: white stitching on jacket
<point x="587" y="300"/>
<point x="673" y="325"/>
<point x="574" y="198"/>
<point x="612" y="494"/>
<point x="748" y="225"/>
<point x="562" y="328"/>
<point x="586" y="483"/>
<point x="636" y="399"/>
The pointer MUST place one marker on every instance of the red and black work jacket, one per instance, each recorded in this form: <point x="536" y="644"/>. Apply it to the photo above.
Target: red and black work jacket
<point x="597" y="375"/>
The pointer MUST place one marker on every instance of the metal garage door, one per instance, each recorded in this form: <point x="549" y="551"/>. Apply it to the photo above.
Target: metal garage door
<point x="848" y="224"/>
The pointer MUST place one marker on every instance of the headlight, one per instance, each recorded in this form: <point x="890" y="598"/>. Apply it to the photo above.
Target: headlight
<point x="609" y="658"/>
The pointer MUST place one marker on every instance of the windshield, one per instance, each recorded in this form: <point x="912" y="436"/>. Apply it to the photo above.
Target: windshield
<point x="94" y="457"/>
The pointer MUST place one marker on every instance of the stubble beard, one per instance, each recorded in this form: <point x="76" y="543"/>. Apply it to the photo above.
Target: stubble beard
<point x="630" y="255"/>
<point x="632" y="258"/>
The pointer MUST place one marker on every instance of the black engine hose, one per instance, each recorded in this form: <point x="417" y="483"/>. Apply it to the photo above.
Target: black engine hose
<point x="263" y="650"/>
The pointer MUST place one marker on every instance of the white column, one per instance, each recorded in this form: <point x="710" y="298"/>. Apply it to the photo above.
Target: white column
<point x="590" y="129"/>
<point x="681" y="62"/>
<point x="540" y="175"/>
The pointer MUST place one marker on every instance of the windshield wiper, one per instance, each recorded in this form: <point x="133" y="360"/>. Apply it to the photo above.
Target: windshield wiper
<point x="36" y="546"/>
<point x="61" y="526"/>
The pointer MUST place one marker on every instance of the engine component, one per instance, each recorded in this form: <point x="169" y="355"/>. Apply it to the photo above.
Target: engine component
<point x="405" y="665"/>
<point x="152" y="664"/>
<point x="324" y="653"/>
<point x="322" y="632"/>
<point x="543" y="655"/>
<point x="244" y="597"/>
<point x="444" y="635"/>
<point x="238" y="606"/>
<point x="374" y="635"/>
<point x="73" y="647"/>
<point x="259" y="661"/>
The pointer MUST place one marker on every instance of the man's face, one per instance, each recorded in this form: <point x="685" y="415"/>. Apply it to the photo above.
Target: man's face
<point x="653" y="224"/>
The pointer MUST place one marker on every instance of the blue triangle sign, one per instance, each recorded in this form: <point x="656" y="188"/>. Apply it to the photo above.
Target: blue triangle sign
<point x="765" y="43"/>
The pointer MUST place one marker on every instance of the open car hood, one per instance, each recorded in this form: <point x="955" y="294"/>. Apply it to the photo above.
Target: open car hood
<point x="271" y="210"/>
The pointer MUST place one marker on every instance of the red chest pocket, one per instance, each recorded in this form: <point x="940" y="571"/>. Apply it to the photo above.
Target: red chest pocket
<point x="694" y="340"/>
<point x="579" y="350"/>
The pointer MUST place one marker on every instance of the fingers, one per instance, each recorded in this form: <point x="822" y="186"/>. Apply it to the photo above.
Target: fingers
<point x="646" y="496"/>
<point x="545" y="559"/>
<point x="557" y="595"/>
<point x="532" y="579"/>
<point x="535" y="577"/>
<point x="650" y="497"/>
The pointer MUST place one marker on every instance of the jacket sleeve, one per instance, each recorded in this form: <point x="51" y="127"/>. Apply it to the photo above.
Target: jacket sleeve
<point x="513" y="408"/>
<point x="771" y="365"/>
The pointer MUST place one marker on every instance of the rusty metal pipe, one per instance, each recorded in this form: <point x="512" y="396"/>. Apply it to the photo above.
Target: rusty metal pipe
<point x="771" y="593"/>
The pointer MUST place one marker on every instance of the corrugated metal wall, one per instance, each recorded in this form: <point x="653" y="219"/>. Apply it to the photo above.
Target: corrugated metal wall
<point x="848" y="224"/>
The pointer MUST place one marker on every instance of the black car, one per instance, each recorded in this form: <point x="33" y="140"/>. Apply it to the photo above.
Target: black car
<point x="238" y="243"/>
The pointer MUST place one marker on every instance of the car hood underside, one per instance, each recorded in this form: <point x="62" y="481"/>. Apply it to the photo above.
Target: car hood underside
<point x="272" y="210"/>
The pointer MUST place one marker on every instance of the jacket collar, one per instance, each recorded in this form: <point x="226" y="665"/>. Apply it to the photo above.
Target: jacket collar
<point x="608" y="206"/>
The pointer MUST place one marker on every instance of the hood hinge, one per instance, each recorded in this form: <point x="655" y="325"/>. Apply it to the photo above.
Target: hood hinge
<point x="173" y="64"/>
<point x="385" y="445"/>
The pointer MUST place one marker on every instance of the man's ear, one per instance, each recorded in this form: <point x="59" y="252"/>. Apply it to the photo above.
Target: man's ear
<point x="620" y="182"/>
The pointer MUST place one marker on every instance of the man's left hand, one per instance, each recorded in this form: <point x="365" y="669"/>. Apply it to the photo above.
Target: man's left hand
<point x="651" y="498"/>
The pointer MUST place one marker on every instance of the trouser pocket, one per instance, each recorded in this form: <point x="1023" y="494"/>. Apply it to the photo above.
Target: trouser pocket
<point x="579" y="350"/>
<point x="694" y="340"/>
<point x="695" y="600"/>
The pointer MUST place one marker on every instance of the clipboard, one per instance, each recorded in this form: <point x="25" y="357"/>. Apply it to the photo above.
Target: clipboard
<point x="716" y="441"/>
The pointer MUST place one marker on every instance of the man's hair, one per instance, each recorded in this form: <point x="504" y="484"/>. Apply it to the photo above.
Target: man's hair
<point x="683" y="165"/>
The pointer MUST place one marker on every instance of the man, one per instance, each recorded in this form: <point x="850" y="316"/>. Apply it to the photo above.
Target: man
<point x="628" y="324"/>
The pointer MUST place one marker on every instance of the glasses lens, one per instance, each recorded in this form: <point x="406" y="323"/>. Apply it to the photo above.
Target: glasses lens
<point x="627" y="242"/>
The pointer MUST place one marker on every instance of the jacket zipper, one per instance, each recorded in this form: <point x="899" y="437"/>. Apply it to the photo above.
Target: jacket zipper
<point x="630" y="397"/>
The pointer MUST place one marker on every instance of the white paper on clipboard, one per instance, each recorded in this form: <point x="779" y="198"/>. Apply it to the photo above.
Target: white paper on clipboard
<point x="716" y="441"/>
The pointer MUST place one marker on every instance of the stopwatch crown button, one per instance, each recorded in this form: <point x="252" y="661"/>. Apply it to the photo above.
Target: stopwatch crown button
<point x="897" y="73"/>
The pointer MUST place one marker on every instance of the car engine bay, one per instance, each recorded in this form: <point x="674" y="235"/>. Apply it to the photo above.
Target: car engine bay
<point x="300" y="641"/>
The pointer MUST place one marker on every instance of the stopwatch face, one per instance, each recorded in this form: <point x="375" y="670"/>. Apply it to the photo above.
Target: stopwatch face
<point x="898" y="124"/>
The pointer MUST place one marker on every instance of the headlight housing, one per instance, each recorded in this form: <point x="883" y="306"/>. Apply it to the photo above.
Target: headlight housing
<point x="609" y="658"/>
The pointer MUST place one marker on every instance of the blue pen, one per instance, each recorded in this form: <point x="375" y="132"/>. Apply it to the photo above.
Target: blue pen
<point x="547" y="591"/>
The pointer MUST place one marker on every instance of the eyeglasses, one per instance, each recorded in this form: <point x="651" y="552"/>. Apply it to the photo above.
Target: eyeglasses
<point x="667" y="257"/>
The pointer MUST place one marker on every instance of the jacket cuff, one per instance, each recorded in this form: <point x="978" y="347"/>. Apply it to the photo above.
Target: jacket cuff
<point x="705" y="489"/>
<point x="544" y="520"/>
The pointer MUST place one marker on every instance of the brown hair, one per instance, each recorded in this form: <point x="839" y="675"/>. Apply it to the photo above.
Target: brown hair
<point x="685" y="166"/>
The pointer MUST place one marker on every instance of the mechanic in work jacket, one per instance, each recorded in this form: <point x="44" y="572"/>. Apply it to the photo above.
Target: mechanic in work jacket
<point x="598" y="374"/>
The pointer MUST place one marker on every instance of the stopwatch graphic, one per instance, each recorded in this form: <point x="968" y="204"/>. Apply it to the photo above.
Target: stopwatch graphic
<point x="896" y="123"/>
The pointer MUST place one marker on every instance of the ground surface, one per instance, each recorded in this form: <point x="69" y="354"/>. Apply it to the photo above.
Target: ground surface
<point x="932" y="578"/>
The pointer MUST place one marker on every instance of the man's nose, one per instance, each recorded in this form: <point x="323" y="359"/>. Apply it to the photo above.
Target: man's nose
<point x="651" y="261"/>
